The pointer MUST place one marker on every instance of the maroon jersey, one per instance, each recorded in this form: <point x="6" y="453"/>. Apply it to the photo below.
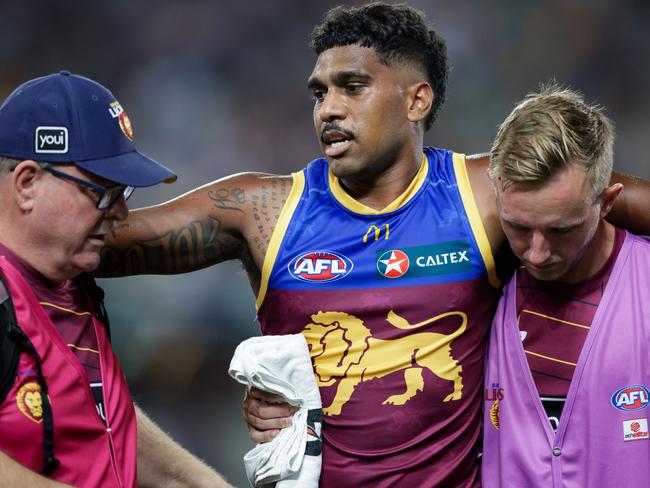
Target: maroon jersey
<point x="93" y="452"/>
<point x="68" y="308"/>
<point x="395" y="306"/>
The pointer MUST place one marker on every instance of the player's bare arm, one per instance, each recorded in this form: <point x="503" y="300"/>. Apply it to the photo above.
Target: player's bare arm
<point x="231" y="218"/>
<point x="630" y="209"/>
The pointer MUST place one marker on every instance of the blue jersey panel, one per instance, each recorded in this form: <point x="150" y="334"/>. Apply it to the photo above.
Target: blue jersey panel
<point x="427" y="240"/>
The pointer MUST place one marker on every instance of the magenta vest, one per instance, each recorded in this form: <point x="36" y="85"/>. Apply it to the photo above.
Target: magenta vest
<point x="91" y="454"/>
<point x="602" y="439"/>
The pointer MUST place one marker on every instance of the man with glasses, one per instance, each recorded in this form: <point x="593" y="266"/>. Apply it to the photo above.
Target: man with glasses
<point x="67" y="166"/>
<point x="106" y="196"/>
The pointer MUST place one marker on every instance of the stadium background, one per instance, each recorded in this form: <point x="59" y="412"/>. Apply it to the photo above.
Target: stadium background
<point x="218" y="87"/>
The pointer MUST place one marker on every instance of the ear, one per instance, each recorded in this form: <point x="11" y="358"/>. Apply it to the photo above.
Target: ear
<point x="608" y="196"/>
<point x="26" y="178"/>
<point x="420" y="99"/>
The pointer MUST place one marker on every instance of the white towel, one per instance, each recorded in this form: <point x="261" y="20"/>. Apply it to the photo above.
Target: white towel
<point x="282" y="365"/>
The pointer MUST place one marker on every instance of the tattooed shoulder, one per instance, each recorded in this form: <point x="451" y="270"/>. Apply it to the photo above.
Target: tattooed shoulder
<point x="266" y="203"/>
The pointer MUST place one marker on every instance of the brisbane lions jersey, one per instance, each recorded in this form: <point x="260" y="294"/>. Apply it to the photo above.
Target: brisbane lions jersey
<point x="395" y="306"/>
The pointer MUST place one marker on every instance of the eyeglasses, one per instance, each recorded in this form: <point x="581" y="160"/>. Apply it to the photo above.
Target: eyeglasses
<point x="107" y="195"/>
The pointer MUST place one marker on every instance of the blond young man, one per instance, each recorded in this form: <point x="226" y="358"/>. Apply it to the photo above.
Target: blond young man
<point x="567" y="370"/>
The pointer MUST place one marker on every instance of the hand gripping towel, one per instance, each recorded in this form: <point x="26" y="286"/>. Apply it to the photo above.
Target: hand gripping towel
<point x="282" y="365"/>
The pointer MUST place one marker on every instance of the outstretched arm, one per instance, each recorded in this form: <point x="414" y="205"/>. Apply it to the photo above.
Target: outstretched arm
<point x="231" y="218"/>
<point x="162" y="463"/>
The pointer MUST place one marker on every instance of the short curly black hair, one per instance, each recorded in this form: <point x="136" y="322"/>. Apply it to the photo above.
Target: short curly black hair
<point x="396" y="32"/>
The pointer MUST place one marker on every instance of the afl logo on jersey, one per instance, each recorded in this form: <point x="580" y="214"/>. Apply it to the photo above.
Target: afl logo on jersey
<point x="633" y="397"/>
<point x="320" y="266"/>
<point x="393" y="263"/>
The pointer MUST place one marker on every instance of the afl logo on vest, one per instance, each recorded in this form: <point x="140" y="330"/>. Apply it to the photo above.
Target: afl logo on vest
<point x="320" y="266"/>
<point x="629" y="398"/>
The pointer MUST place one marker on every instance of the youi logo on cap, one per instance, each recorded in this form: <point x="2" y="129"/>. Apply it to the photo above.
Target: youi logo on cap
<point x="51" y="140"/>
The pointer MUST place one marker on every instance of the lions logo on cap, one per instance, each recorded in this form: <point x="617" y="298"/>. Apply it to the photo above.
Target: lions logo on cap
<point x="125" y="125"/>
<point x="29" y="401"/>
<point x="117" y="111"/>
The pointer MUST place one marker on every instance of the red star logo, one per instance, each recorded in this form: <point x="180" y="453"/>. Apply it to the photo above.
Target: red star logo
<point x="393" y="264"/>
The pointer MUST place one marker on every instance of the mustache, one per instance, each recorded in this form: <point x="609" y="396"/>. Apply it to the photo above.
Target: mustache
<point x="334" y="127"/>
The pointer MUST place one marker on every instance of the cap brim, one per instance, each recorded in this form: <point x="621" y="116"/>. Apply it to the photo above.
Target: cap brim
<point x="132" y="168"/>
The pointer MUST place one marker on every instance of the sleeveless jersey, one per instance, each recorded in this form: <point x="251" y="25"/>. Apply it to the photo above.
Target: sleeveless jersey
<point x="395" y="306"/>
<point x="602" y="438"/>
<point x="92" y="453"/>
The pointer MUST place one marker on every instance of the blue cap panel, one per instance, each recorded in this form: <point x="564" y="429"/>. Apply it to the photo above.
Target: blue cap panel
<point x="63" y="118"/>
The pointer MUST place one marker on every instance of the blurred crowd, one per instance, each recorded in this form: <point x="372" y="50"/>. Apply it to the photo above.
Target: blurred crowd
<point x="219" y="87"/>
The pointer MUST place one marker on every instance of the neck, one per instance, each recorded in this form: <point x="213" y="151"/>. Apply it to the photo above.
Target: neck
<point x="39" y="260"/>
<point x="379" y="190"/>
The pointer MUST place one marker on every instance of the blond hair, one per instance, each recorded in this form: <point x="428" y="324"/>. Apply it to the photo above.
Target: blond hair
<point x="547" y="132"/>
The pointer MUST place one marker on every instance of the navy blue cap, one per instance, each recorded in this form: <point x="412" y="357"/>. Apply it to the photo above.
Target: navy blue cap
<point x="66" y="118"/>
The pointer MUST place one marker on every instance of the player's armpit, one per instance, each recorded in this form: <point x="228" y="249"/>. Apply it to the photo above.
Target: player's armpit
<point x="483" y="192"/>
<point x="210" y="224"/>
<point x="631" y="208"/>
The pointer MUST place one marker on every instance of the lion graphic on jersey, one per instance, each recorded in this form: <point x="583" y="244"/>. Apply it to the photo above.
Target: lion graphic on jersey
<point x="343" y="349"/>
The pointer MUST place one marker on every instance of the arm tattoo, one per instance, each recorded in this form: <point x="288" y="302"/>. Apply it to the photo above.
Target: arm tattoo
<point x="228" y="199"/>
<point x="192" y="246"/>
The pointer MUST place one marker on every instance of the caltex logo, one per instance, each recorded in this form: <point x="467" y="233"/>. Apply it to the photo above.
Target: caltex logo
<point x="393" y="263"/>
<point x="442" y="258"/>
